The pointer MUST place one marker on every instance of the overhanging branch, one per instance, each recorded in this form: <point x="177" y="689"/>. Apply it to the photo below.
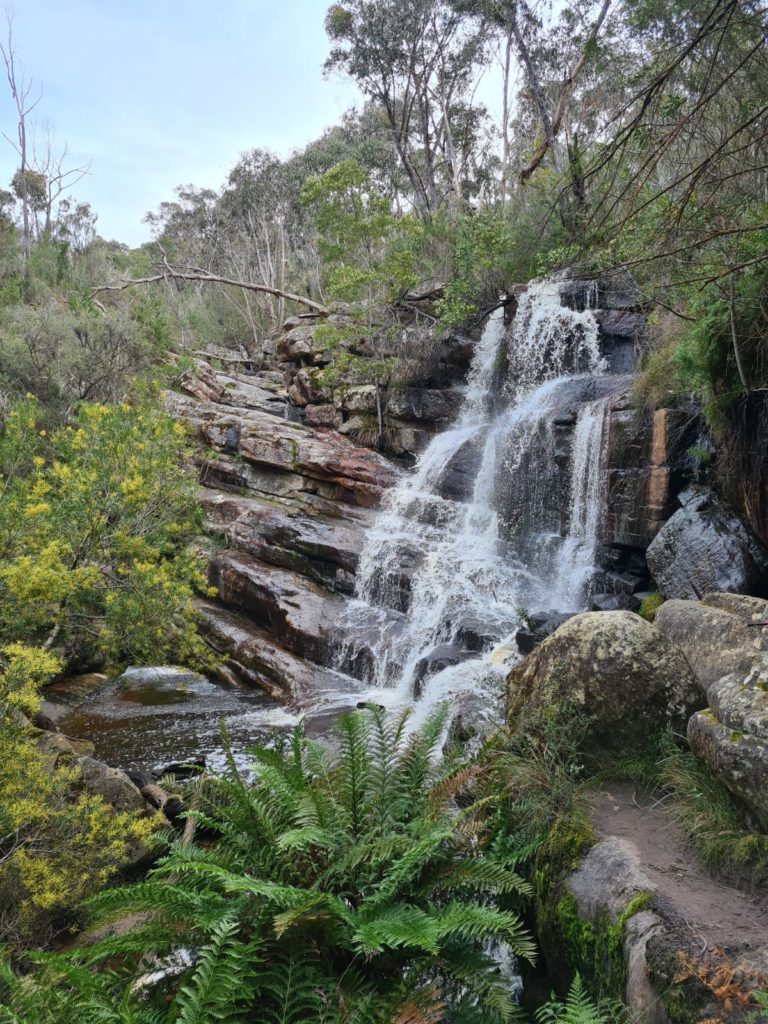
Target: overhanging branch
<point x="167" y="272"/>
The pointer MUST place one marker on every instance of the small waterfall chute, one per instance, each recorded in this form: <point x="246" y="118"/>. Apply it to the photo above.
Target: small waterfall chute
<point x="525" y="534"/>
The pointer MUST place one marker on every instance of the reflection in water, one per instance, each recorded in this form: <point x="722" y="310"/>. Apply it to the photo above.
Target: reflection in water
<point x="149" y="718"/>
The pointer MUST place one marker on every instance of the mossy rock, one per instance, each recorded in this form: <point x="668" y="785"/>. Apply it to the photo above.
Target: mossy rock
<point x="618" y="669"/>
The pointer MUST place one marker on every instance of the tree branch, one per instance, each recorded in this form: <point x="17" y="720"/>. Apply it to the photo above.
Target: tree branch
<point x="167" y="272"/>
<point x="551" y="128"/>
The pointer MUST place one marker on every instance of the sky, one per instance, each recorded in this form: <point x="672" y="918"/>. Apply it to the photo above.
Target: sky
<point x="159" y="93"/>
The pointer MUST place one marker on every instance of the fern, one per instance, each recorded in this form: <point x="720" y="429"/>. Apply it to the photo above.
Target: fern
<point x="341" y="887"/>
<point x="578" y="1008"/>
<point x="225" y="965"/>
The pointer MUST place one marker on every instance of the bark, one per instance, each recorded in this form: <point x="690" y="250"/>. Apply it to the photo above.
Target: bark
<point x="553" y="126"/>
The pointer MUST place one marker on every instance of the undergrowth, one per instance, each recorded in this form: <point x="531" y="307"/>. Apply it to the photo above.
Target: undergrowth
<point x="710" y="817"/>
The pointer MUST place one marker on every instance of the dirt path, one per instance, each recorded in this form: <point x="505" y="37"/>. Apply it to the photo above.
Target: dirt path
<point x="717" y="913"/>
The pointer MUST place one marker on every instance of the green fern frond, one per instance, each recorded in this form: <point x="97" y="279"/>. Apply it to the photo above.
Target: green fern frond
<point x="578" y="1008"/>
<point x="396" y="928"/>
<point x="223" y="980"/>
<point x="475" y="922"/>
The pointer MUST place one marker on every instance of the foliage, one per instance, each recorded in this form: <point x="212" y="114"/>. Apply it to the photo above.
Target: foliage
<point x="95" y="520"/>
<point x="341" y="887"/>
<point x="577" y="1008"/>
<point x="490" y="251"/>
<point x="650" y="605"/>
<point x="536" y="775"/>
<point x="58" y="844"/>
<point x="365" y="247"/>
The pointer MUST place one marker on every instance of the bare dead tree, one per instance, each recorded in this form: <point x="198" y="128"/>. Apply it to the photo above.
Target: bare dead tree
<point x="25" y="101"/>
<point x="52" y="166"/>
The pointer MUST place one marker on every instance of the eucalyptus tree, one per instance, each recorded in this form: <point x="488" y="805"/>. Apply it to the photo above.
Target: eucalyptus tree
<point x="418" y="60"/>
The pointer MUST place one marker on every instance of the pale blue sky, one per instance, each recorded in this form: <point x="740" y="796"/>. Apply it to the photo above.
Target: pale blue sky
<point x="165" y="92"/>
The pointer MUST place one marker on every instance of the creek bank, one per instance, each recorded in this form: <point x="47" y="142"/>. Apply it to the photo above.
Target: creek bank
<point x="621" y="899"/>
<point x="147" y="719"/>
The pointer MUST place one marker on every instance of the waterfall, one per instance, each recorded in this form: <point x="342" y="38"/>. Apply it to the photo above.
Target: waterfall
<point x="588" y="493"/>
<point x="496" y="519"/>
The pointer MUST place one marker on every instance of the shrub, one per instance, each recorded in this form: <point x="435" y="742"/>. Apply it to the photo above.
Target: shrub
<point x="58" y="844"/>
<point x="95" y="521"/>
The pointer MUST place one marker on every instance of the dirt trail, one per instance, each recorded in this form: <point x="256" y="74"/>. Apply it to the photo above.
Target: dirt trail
<point x="717" y="913"/>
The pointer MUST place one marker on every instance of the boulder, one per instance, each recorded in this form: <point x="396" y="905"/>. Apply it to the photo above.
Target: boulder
<point x="749" y="610"/>
<point x="705" y="547"/>
<point x="358" y="398"/>
<point x="307" y="388"/>
<point x="457" y="480"/>
<point x="714" y="641"/>
<point x="323" y="416"/>
<point x="252" y="391"/>
<point x="624" y="674"/>
<point x="111" y="784"/>
<point x="538" y="627"/>
<point x="731" y="736"/>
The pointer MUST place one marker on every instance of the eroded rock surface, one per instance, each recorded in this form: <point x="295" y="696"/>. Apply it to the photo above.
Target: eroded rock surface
<point x="714" y="639"/>
<point x="731" y="736"/>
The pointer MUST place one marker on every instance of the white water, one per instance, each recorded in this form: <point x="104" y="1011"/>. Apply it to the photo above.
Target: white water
<point x="477" y="565"/>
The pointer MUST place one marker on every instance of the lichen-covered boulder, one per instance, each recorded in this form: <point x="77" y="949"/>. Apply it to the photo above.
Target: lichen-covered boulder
<point x="618" y="668"/>
<point x="714" y="639"/>
<point x="112" y="785"/>
<point x="731" y="736"/>
<point x="705" y="547"/>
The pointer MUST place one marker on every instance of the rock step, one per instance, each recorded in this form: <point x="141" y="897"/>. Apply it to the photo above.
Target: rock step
<point x="337" y="469"/>
<point x="258" y="660"/>
<point x="323" y="549"/>
<point x="641" y="879"/>
<point x="298" y="614"/>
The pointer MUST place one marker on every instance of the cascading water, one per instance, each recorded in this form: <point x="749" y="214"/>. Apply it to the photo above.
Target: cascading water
<point x="461" y="566"/>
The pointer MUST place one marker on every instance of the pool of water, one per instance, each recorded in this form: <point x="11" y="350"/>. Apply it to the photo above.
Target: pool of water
<point x="151" y="717"/>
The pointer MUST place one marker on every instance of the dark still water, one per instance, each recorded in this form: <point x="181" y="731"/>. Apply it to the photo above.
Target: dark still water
<point x="150" y="717"/>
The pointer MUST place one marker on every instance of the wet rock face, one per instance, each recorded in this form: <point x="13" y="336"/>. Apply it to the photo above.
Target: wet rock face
<point x="442" y="656"/>
<point x="731" y="736"/>
<point x="644" y="453"/>
<point x="618" y="668"/>
<point x="258" y="659"/>
<point x="705" y="547"/>
<point x="294" y="610"/>
<point x="538" y="628"/>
